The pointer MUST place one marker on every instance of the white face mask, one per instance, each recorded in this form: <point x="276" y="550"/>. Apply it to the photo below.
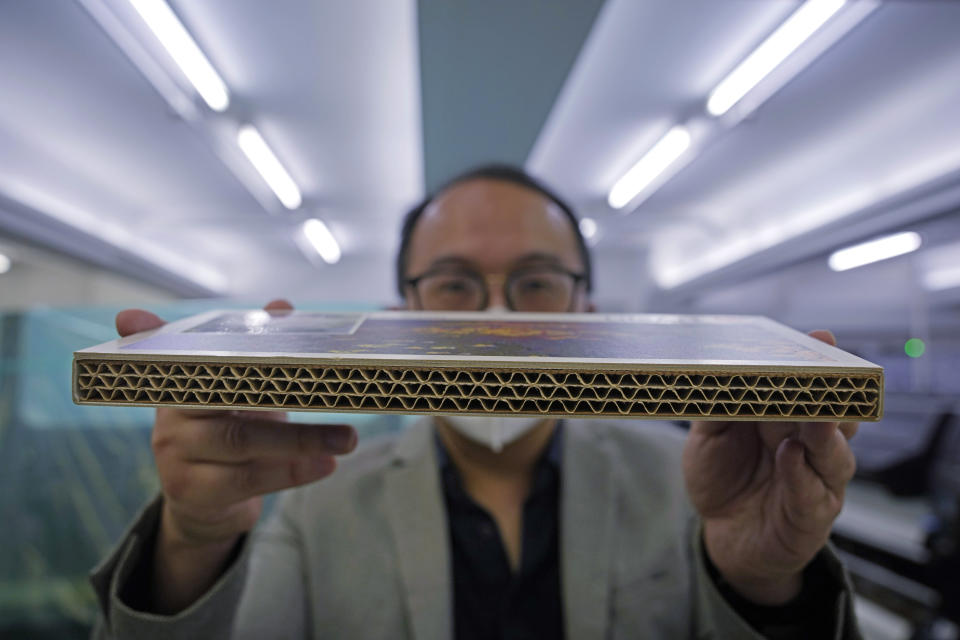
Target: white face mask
<point x="495" y="432"/>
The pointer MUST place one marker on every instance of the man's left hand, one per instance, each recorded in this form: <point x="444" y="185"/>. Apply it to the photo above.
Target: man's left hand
<point x="767" y="494"/>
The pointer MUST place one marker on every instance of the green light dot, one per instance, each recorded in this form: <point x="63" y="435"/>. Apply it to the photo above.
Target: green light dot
<point x="914" y="347"/>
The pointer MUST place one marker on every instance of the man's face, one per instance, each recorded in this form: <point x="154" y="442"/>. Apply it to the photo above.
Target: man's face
<point x="495" y="228"/>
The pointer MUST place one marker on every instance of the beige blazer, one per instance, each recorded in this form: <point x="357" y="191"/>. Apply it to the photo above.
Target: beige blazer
<point x="365" y="553"/>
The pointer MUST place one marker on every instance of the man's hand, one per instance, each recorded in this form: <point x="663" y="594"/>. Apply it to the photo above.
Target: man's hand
<point x="767" y="493"/>
<point x="214" y="466"/>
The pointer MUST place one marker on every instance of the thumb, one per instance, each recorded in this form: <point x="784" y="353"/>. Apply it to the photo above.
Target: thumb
<point x="278" y="305"/>
<point x="130" y="321"/>
<point x="824" y="336"/>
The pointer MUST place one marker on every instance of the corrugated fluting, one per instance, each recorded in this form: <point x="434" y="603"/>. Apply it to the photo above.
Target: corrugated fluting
<point x="419" y="390"/>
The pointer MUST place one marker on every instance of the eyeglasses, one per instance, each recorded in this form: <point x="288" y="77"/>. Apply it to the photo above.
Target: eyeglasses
<point x="528" y="289"/>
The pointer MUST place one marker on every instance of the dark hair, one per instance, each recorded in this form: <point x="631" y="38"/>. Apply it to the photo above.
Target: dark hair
<point x="502" y="172"/>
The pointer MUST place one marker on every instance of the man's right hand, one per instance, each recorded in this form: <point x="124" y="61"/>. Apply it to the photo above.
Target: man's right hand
<point x="214" y="468"/>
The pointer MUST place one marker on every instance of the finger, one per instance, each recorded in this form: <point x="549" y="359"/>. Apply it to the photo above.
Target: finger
<point x="169" y="418"/>
<point x="235" y="439"/>
<point x="278" y="305"/>
<point x="712" y="480"/>
<point x="168" y="414"/>
<point x="807" y="506"/>
<point x="824" y="336"/>
<point x="827" y="452"/>
<point x="130" y="321"/>
<point x="264" y="414"/>
<point x="710" y="427"/>
<point x="224" y="484"/>
<point x="848" y="429"/>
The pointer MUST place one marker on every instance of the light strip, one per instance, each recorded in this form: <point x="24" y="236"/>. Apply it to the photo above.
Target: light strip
<point x="322" y="240"/>
<point x="940" y="279"/>
<point x="875" y="251"/>
<point x="663" y="154"/>
<point x="802" y="24"/>
<point x="672" y="269"/>
<point x="176" y="96"/>
<point x="266" y="163"/>
<point x="4" y="264"/>
<point x="184" y="51"/>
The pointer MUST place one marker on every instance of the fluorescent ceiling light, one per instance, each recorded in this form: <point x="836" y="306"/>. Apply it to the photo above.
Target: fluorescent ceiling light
<point x="676" y="263"/>
<point x="874" y="251"/>
<point x="184" y="51"/>
<point x="175" y="95"/>
<point x="663" y="154"/>
<point x="4" y="263"/>
<point x="322" y="240"/>
<point x="802" y="24"/>
<point x="940" y="279"/>
<point x="588" y="227"/>
<point x="265" y="162"/>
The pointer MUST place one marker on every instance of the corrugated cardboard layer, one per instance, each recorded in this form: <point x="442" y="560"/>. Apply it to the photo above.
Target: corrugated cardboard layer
<point x="715" y="394"/>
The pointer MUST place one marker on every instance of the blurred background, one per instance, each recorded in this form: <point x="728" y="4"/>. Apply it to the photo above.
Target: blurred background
<point x="799" y="160"/>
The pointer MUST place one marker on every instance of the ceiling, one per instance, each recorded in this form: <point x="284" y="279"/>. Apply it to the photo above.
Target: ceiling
<point x="371" y="102"/>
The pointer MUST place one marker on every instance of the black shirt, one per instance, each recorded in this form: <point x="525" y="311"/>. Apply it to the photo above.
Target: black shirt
<point x="492" y="602"/>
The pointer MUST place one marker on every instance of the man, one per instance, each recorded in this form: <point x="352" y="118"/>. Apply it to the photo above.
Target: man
<point x="477" y="527"/>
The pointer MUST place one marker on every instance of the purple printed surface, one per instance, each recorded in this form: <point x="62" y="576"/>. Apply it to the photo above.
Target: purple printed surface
<point x="729" y="341"/>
